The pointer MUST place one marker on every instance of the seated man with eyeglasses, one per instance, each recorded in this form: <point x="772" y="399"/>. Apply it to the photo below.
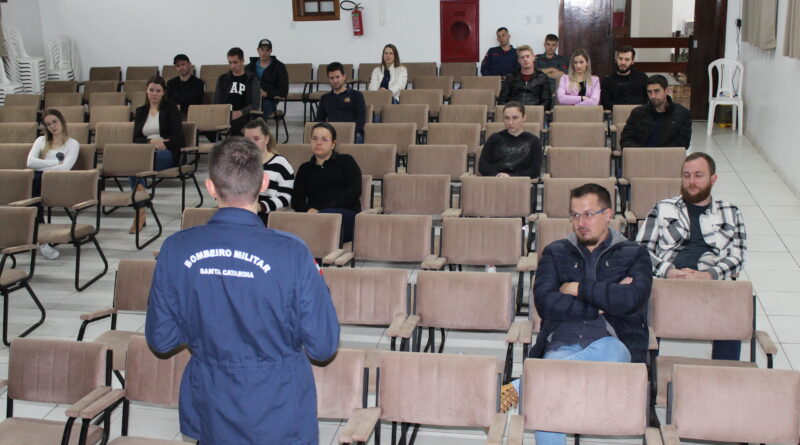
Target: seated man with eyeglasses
<point x="591" y="291"/>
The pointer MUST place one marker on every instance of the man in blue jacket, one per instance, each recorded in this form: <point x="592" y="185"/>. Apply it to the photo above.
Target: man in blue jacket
<point x="500" y="60"/>
<point x="252" y="306"/>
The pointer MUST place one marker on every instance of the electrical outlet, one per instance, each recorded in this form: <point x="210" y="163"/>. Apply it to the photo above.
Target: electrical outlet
<point x="539" y="19"/>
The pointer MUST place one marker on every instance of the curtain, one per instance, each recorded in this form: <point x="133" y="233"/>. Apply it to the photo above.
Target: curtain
<point x="791" y="43"/>
<point x="759" y="23"/>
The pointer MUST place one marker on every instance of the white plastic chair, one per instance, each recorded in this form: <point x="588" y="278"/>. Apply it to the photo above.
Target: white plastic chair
<point x="729" y="90"/>
<point x="6" y="85"/>
<point x="31" y="72"/>
<point x="63" y="63"/>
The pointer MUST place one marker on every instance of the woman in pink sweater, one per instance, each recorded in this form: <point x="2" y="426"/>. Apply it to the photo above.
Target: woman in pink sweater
<point x="579" y="87"/>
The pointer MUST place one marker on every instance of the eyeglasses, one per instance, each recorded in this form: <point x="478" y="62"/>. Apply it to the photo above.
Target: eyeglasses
<point x="588" y="215"/>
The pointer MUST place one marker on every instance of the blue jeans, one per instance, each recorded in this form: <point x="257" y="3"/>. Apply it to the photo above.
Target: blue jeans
<point x="726" y="350"/>
<point x="267" y="107"/>
<point x="359" y="138"/>
<point x="348" y="222"/>
<point x="161" y="161"/>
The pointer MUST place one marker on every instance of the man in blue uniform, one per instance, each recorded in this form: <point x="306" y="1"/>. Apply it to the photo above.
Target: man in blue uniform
<point x="252" y="306"/>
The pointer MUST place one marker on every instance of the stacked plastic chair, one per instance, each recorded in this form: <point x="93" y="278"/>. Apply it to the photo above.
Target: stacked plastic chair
<point x="30" y="71"/>
<point x="6" y="85"/>
<point x="63" y="63"/>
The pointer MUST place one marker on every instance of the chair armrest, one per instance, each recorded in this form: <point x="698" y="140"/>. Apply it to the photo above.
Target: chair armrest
<point x="527" y="263"/>
<point x="373" y="211"/>
<point x="278" y="98"/>
<point x="257" y="113"/>
<point x="108" y="400"/>
<point x="17" y="249"/>
<point x="546" y="150"/>
<point x="331" y="257"/>
<point x="630" y="217"/>
<point x="496" y="430"/>
<point x="360" y="425"/>
<point x="512" y="336"/>
<point x="223" y="127"/>
<point x="26" y="202"/>
<point x="544" y="130"/>
<point x="669" y="435"/>
<point x="432" y="262"/>
<point x="616" y="153"/>
<point x="623" y="181"/>
<point x="91" y="316"/>
<point x="533" y="217"/>
<point x="451" y="213"/>
<point x="146" y="174"/>
<point x="536" y="181"/>
<point x="546" y="176"/>
<point x="525" y="331"/>
<point x="344" y="258"/>
<point x="397" y="323"/>
<point x="84" y="204"/>
<point x="763" y="339"/>
<point x="85" y="401"/>
<point x="409" y="325"/>
<point x="652" y="343"/>
<point x="612" y="128"/>
<point x="516" y="429"/>
<point x="189" y="150"/>
<point x="652" y="436"/>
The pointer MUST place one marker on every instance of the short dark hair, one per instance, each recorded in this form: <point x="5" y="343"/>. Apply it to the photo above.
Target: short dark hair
<point x="335" y="66"/>
<point x="326" y="126"/>
<point x="261" y="124"/>
<point x="627" y="49"/>
<point x="180" y="57"/>
<point x="502" y="28"/>
<point x="592" y="189"/>
<point x="712" y="166"/>
<point x="551" y="38"/>
<point x="237" y="52"/>
<point x="516" y="105"/>
<point x="658" y="79"/>
<point x="235" y="167"/>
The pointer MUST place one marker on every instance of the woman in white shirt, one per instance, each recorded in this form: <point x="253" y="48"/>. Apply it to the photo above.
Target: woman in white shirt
<point x="390" y="75"/>
<point x="53" y="151"/>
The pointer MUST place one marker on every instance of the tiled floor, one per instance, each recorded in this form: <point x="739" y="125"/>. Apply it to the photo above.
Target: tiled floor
<point x="771" y="211"/>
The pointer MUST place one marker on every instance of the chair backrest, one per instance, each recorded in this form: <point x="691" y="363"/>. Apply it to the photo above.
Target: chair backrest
<point x="415" y="194"/>
<point x="474" y="97"/>
<point x="620" y="113"/>
<point x="730" y="78"/>
<point x="23" y="100"/>
<point x="140" y="72"/>
<point x="60" y="86"/>
<point x="14" y="156"/>
<point x="105" y="73"/>
<point x="136" y="99"/>
<point x="345" y="132"/>
<point x="702" y="309"/>
<point x="53" y="100"/>
<point x="367" y="192"/>
<point x="340" y="384"/>
<point x="135" y="86"/>
<point x="554" y="229"/>
<point x="150" y="378"/>
<point x="493" y="127"/>
<point x="86" y="157"/>
<point x="437" y="160"/>
<point x="99" y="86"/>
<point x="652" y="162"/>
<point x="406" y="113"/>
<point x="55" y="371"/>
<point x="457" y="70"/>
<point x="296" y="154"/>
<point x="72" y="114"/>
<point x="15" y="185"/>
<point x="365" y="72"/>
<point x="416" y="69"/>
<point x="376" y="98"/>
<point x="398" y="238"/>
<point x="23" y="220"/>
<point x="113" y="133"/>
<point x="18" y="132"/>
<point x="556" y="193"/>
<point x="196" y="216"/>
<point x="299" y="72"/>
<point x="127" y="159"/>
<point x="571" y="113"/>
<point x="65" y="188"/>
<point x="481" y="241"/>
<point x="749" y="405"/>
<point x="533" y="114"/>
<point x="322" y="73"/>
<point x="444" y="83"/>
<point x="571" y="134"/>
<point x="367" y="296"/>
<point x="579" y="162"/>
<point x="401" y="135"/>
<point x="431" y="97"/>
<point x="473" y="82"/>
<point x="646" y="192"/>
<point x="603" y="398"/>
<point x="456" y="114"/>
<point x="109" y="113"/>
<point x="169" y="71"/>
<point x="437" y="378"/>
<point x="79" y="131"/>
<point x="375" y="160"/>
<point x="18" y="114"/>
<point x="320" y="231"/>
<point x="209" y="117"/>
<point x="210" y="74"/>
<point x="496" y="197"/>
<point x="465" y="300"/>
<point x="189" y="130"/>
<point x="455" y="134"/>
<point x="132" y="284"/>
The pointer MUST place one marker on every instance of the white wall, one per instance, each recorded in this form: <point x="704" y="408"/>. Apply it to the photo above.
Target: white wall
<point x="25" y="16"/>
<point x="651" y="18"/>
<point x="527" y="22"/>
<point x="682" y="12"/>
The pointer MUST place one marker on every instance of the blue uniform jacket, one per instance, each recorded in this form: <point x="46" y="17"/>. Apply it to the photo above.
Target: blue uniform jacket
<point x="251" y="304"/>
<point x="497" y="62"/>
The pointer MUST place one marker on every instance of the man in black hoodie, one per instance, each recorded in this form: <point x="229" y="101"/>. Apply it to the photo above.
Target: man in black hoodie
<point x="240" y="89"/>
<point x="625" y="87"/>
<point x="272" y="76"/>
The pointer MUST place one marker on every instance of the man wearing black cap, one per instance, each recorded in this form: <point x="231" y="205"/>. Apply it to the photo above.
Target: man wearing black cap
<point x="185" y="89"/>
<point x="271" y="74"/>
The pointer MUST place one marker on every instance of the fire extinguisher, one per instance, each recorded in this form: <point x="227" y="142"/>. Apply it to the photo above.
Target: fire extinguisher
<point x="357" y="17"/>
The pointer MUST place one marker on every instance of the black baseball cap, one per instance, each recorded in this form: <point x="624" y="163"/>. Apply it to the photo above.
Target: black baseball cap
<point x="264" y="42"/>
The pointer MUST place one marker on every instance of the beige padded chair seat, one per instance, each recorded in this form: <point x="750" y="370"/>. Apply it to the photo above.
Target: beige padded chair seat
<point x="11" y="275"/>
<point x="15" y="431"/>
<point x="118" y="342"/>
<point x="317" y="95"/>
<point x="60" y="233"/>
<point x="173" y="172"/>
<point x="122" y="199"/>
<point x="143" y="441"/>
<point x="294" y="96"/>
<point x="204" y="148"/>
<point x="665" y="364"/>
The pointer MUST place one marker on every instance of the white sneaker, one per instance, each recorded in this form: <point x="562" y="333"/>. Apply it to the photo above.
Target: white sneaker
<point x="48" y="251"/>
<point x="491" y="269"/>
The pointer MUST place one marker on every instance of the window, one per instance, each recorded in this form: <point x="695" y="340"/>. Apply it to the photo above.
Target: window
<point x="307" y="10"/>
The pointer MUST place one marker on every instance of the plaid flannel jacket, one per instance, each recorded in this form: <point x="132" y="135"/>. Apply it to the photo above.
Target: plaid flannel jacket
<point x="667" y="227"/>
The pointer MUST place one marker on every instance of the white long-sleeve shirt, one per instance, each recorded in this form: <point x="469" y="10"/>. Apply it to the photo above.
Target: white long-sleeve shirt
<point x="70" y="148"/>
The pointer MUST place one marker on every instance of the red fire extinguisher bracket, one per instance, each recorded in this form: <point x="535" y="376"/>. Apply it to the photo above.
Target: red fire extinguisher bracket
<point x="356" y="16"/>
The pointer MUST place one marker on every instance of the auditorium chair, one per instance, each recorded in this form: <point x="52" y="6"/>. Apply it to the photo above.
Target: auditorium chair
<point x="577" y="134"/>
<point x="23" y="100"/>
<point x="376" y="160"/>
<point x="296" y="154"/>
<point x="619" y="117"/>
<point x="140" y="73"/>
<point x="112" y="133"/>
<point x="62" y="372"/>
<point x="577" y="397"/>
<point x="14" y="156"/>
<point x="409" y="194"/>
<point x="365" y="75"/>
<point x="579" y="162"/>
<point x="87" y="157"/>
<point x="475" y="97"/>
<point x="463" y="114"/>
<point x="497" y="197"/>
<point x="214" y="119"/>
<point x="209" y="74"/>
<point x="341" y="384"/>
<point x="107" y="99"/>
<point x="193" y="216"/>
<point x="322" y="232"/>
<point x="444" y="83"/>
<point x="431" y="97"/>
<point x="575" y="114"/>
<point x="61" y="86"/>
<point x="72" y="114"/>
<point x="555" y="202"/>
<point x="187" y="164"/>
<point x="58" y="99"/>
<point x="110" y="113"/>
<point x="377" y="99"/>
<point x="15" y="186"/>
<point x="401" y="135"/>
<point x="457" y="70"/>
<point x="456" y="134"/>
<point x="416" y="69"/>
<point x="18" y="133"/>
<point x="299" y="74"/>
<point x="18" y="114"/>
<point x="98" y="86"/>
<point x="407" y="113"/>
<point x="136" y="99"/>
<point x="135" y="86"/>
<point x="390" y="238"/>
<point x="649" y="162"/>
<point x="168" y="72"/>
<point x="449" y="160"/>
<point x="644" y="194"/>
<point x="474" y="82"/>
<point x="533" y="114"/>
<point x="131" y="291"/>
<point x="531" y="127"/>
<point x="345" y="132"/>
<point x="105" y="73"/>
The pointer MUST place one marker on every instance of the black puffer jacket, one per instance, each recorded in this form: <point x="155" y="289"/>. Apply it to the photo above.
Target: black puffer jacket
<point x="275" y="80"/>
<point x="676" y="130"/>
<point x="535" y="91"/>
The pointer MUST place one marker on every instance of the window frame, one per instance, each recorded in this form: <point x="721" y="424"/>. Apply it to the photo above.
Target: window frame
<point x="299" y="14"/>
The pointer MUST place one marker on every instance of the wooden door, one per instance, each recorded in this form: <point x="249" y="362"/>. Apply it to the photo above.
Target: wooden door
<point x="459" y="30"/>
<point x="587" y="24"/>
<point x="707" y="45"/>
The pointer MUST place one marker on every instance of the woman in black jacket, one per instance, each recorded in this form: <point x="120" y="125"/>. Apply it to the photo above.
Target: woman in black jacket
<point x="157" y="122"/>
